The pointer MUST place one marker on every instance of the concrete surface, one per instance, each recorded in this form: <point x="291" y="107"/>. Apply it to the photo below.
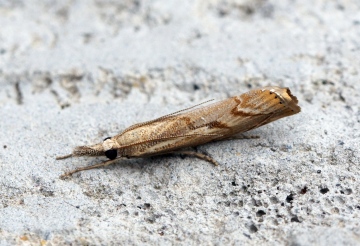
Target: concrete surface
<point x="74" y="72"/>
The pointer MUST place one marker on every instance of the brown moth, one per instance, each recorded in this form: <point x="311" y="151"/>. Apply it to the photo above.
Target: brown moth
<point x="191" y="127"/>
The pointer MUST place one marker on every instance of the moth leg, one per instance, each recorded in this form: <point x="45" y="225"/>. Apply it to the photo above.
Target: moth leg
<point x="102" y="164"/>
<point x="197" y="155"/>
<point x="236" y="137"/>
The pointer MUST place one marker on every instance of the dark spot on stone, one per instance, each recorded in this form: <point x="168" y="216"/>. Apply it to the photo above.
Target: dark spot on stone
<point x="65" y="105"/>
<point x="289" y="198"/>
<point x="318" y="171"/>
<point x="234" y="183"/>
<point x="274" y="200"/>
<point x="342" y="98"/>
<point x="347" y="192"/>
<point x="303" y="190"/>
<point x="295" y="219"/>
<point x="46" y="192"/>
<point x="341" y="142"/>
<point x="5" y="146"/>
<point x="324" y="190"/>
<point x="151" y="219"/>
<point x="260" y="213"/>
<point x="253" y="228"/>
<point x="196" y="87"/>
<point x="327" y="82"/>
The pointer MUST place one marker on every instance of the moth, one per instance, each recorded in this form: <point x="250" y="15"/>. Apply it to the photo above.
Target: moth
<point x="193" y="126"/>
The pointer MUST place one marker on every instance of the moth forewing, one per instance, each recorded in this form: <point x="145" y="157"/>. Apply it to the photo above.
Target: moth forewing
<point x="194" y="126"/>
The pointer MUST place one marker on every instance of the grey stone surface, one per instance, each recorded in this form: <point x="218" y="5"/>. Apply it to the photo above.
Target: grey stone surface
<point x="74" y="72"/>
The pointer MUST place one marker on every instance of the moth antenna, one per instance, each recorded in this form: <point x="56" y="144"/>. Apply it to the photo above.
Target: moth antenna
<point x="64" y="157"/>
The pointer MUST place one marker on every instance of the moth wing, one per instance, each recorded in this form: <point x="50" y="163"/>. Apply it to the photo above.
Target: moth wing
<point x="162" y="117"/>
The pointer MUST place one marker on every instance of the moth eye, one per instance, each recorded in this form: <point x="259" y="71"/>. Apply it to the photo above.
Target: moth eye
<point x="106" y="138"/>
<point x="111" y="154"/>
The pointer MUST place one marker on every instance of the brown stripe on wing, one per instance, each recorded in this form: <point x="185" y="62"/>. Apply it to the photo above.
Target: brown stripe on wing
<point x="217" y="124"/>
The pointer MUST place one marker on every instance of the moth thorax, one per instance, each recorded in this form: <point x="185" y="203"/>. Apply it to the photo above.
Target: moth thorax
<point x="108" y="144"/>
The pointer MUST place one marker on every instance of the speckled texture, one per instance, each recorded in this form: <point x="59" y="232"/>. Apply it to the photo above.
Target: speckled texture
<point x="74" y="72"/>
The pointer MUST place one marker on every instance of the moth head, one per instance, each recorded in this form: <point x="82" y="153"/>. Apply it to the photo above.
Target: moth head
<point x="108" y="148"/>
<point x="104" y="148"/>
